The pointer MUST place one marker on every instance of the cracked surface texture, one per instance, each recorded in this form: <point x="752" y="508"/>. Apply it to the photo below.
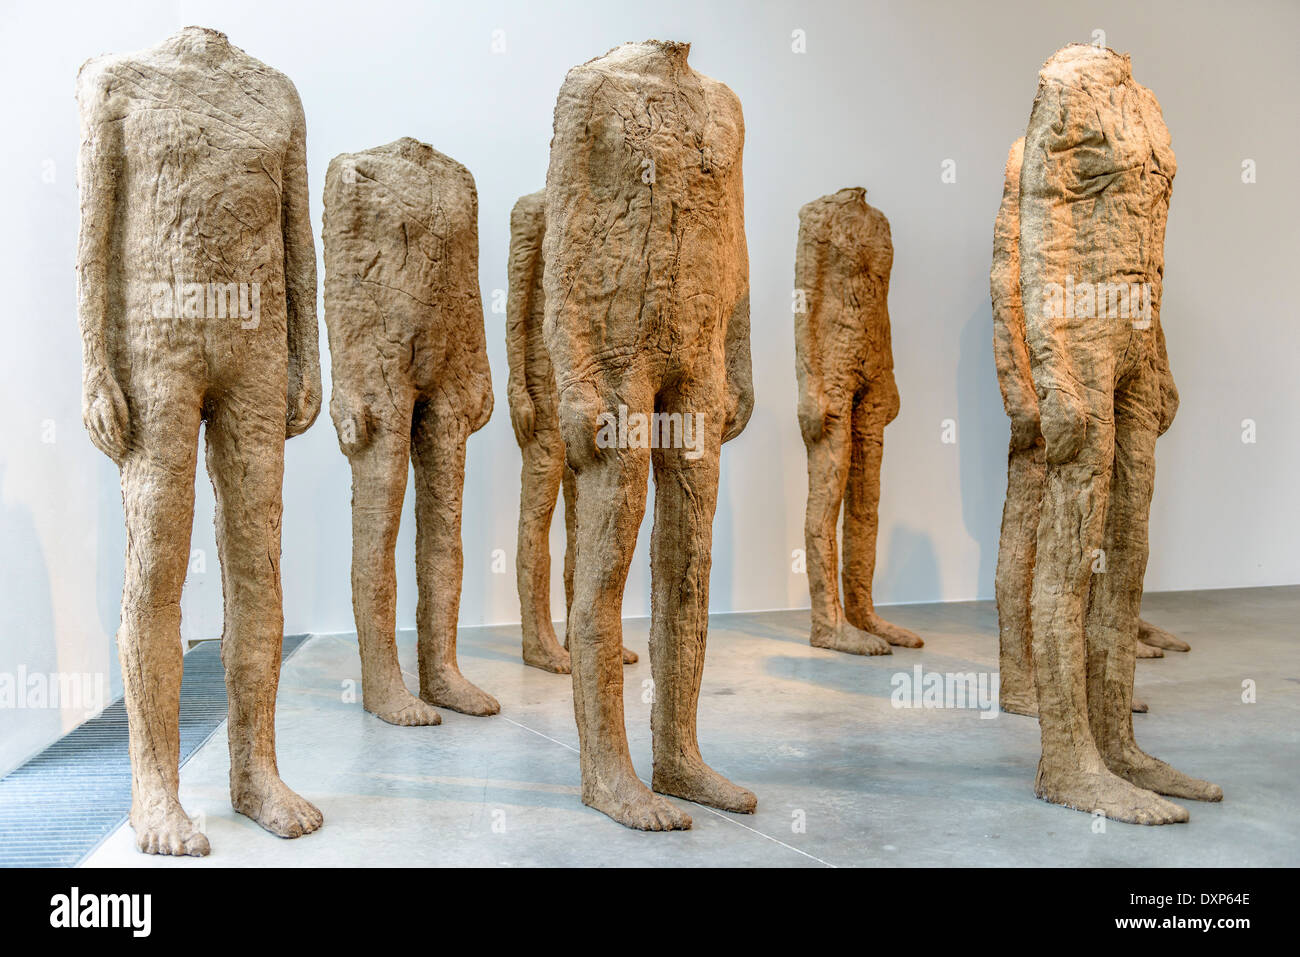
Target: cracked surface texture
<point x="847" y="395"/>
<point x="646" y="280"/>
<point x="410" y="385"/>
<point x="196" y="282"/>
<point x="534" y="415"/>
<point x="1027" y="464"/>
<point x="1094" y="188"/>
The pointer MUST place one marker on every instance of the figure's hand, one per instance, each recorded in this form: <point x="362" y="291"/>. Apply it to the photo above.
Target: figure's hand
<point x="1064" y="423"/>
<point x="1168" y="407"/>
<point x="522" y="415"/>
<point x="740" y="405"/>
<point x="304" y="406"/>
<point x="1025" y="428"/>
<point x="351" y="418"/>
<point x="106" y="416"/>
<point x="580" y="408"/>
<point x="812" y="411"/>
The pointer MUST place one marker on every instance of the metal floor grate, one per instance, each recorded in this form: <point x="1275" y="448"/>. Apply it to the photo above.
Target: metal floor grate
<point x="57" y="807"/>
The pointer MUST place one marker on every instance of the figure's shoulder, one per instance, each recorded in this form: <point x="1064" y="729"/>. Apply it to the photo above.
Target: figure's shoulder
<point x="529" y="209"/>
<point x="99" y="76"/>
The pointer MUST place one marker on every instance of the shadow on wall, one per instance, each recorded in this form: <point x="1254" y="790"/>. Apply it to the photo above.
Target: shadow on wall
<point x="982" y="438"/>
<point x="913" y="572"/>
<point x="27" y="624"/>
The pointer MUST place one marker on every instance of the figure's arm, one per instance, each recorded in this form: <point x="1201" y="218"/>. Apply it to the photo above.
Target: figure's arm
<point x="349" y="408"/>
<point x="524" y="277"/>
<point x="740" y="371"/>
<point x="1045" y="251"/>
<point x="890" y="399"/>
<point x="103" y="407"/>
<point x="299" y="281"/>
<point x="812" y="405"/>
<point x="582" y="125"/>
<point x="1010" y="350"/>
<point x="480" y="373"/>
<point x="1168" y="390"/>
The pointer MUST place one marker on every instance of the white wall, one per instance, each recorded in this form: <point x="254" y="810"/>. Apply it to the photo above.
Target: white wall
<point x="884" y="94"/>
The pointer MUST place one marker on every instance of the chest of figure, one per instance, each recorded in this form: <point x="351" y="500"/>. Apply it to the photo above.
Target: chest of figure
<point x="201" y="177"/>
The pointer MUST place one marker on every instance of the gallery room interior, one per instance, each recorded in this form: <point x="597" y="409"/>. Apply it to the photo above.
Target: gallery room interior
<point x="398" y="405"/>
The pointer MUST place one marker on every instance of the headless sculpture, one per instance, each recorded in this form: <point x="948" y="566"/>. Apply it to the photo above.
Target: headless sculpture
<point x="410" y="384"/>
<point x="533" y="414"/>
<point x="847" y="396"/>
<point x="1027" y="463"/>
<point x="1094" y="197"/>
<point x="197" y="300"/>
<point x="647" y="311"/>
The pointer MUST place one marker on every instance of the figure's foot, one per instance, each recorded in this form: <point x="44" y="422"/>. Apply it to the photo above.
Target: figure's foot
<point x="1147" y="651"/>
<point x="696" y="781"/>
<point x="844" y="637"/>
<point x="450" y="689"/>
<point x="875" y="625"/>
<point x="414" y="713"/>
<point x="1138" y="767"/>
<point x="630" y="657"/>
<point x="547" y="656"/>
<point x="1104" y="792"/>
<point x="167" y="829"/>
<point x="1019" y="702"/>
<point x="269" y="801"/>
<point x="1138" y="706"/>
<point x="1149" y="634"/>
<point x="619" y="794"/>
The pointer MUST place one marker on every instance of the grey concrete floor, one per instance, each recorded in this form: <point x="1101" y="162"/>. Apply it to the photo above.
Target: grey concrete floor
<point x="843" y="777"/>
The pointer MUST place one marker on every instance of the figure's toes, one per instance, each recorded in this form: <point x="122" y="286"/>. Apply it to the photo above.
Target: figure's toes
<point x="554" y="660"/>
<point x="1147" y="651"/>
<point x="1151" y="774"/>
<point x="276" y="807"/>
<point x="630" y="657"/>
<point x="1159" y="638"/>
<point x="696" y="781"/>
<point x="848" y="639"/>
<point x="170" y="833"/>
<point x="415" y="713"/>
<point x="454" y="692"/>
<point x="893" y="633"/>
<point x="1139" y="706"/>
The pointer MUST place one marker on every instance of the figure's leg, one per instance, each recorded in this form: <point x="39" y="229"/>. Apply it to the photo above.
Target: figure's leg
<point x="611" y="495"/>
<point x="158" y="502"/>
<point x="1014" y="579"/>
<point x="1156" y="637"/>
<point x="438" y="445"/>
<point x="379" y="473"/>
<point x="828" y="473"/>
<point x="540" y="480"/>
<point x="681" y="549"/>
<point x="1070" y="535"/>
<point x="245" y="453"/>
<point x="1112" y="624"/>
<point x="571" y="556"/>
<point x="862" y="519"/>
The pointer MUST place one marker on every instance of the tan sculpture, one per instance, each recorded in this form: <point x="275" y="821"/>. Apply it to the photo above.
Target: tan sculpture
<point x="410" y="384"/>
<point x="1027" y="464"/>
<point x="1094" y="196"/>
<point x="533" y="414"/>
<point x="647" y="325"/>
<point x="196" y="288"/>
<point x="847" y="395"/>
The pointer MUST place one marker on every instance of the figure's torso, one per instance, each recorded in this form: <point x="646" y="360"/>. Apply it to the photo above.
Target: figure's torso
<point x="645" y="204"/>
